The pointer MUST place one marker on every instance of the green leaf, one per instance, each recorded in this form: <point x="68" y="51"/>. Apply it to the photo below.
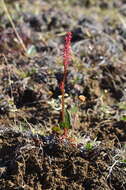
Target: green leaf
<point x="56" y="129"/>
<point x="124" y="160"/>
<point x="67" y="122"/>
<point x="67" y="119"/>
<point x="89" y="146"/>
<point x="62" y="124"/>
<point x="123" y="118"/>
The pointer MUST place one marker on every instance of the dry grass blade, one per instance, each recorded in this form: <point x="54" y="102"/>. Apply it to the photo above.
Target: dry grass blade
<point x="13" y="25"/>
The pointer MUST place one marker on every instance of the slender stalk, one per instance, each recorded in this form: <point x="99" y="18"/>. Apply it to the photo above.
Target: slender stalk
<point x="63" y="106"/>
<point x="63" y="94"/>
<point x="66" y="58"/>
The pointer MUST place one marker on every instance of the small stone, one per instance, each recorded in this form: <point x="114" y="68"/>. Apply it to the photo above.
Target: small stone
<point x="82" y="98"/>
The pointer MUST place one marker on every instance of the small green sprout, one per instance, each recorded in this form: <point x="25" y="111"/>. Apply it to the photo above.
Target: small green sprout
<point x="89" y="146"/>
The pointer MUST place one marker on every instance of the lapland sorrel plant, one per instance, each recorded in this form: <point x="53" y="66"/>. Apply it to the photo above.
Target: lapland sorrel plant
<point x="66" y="60"/>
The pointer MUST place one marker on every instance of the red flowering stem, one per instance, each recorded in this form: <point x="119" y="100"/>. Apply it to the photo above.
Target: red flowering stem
<point x="62" y="101"/>
<point x="66" y="59"/>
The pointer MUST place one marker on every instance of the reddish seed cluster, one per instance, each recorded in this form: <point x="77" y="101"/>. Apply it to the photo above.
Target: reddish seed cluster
<point x="66" y="59"/>
<point x="67" y="49"/>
